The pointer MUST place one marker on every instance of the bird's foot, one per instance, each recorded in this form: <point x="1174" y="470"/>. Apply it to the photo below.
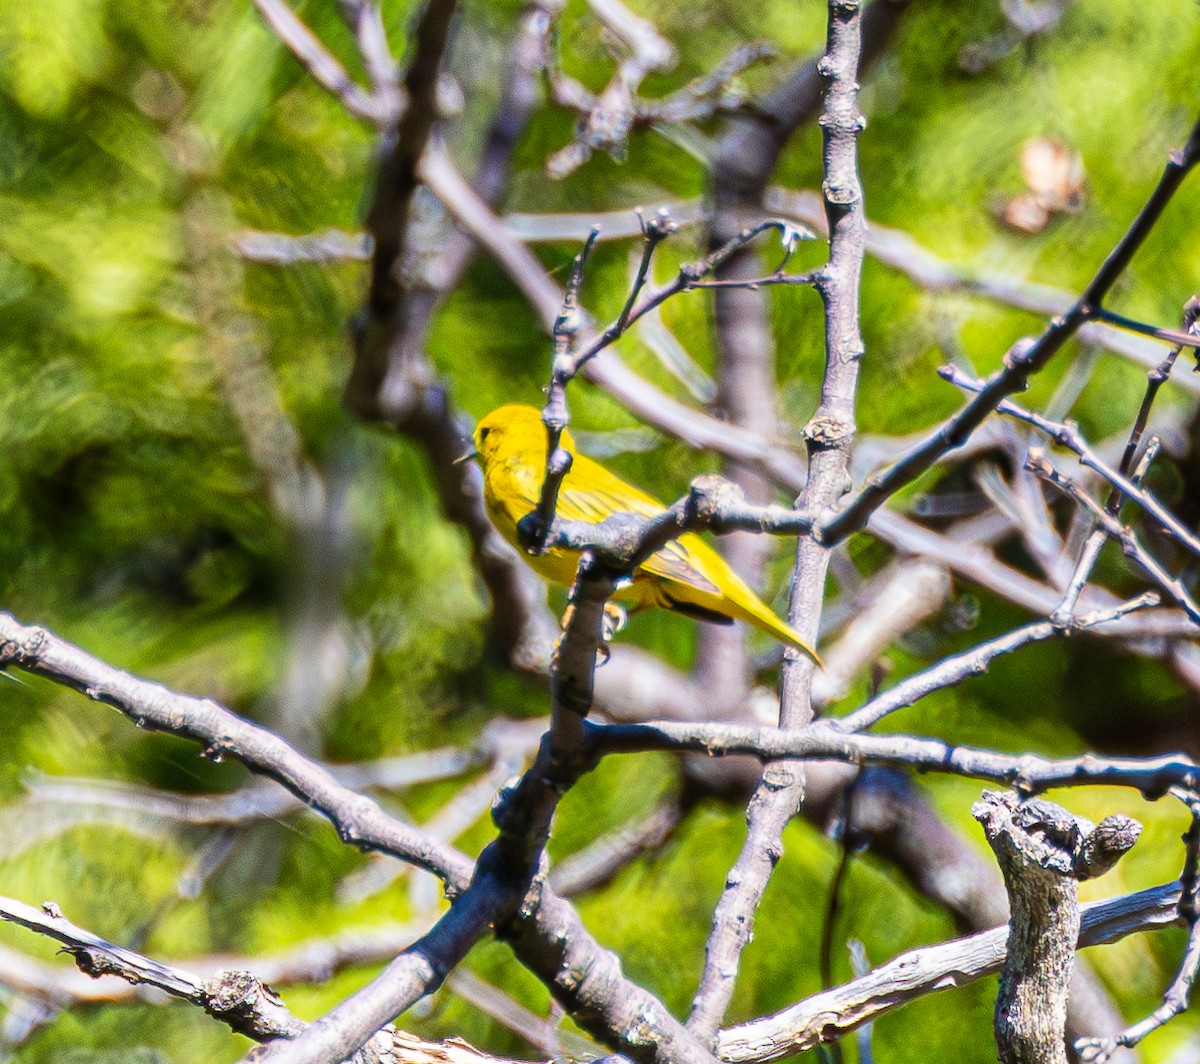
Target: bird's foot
<point x="615" y="618"/>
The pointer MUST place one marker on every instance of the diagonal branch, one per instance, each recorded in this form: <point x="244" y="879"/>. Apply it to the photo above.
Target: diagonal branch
<point x="548" y="936"/>
<point x="320" y="62"/>
<point x="237" y="998"/>
<point x="1023" y="360"/>
<point x="829" y="1015"/>
<point x="232" y="993"/>
<point x="958" y="667"/>
<point x="1131" y="546"/>
<point x="359" y="819"/>
<point x="1067" y="434"/>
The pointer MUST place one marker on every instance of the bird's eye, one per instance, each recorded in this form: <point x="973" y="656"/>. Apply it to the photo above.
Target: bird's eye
<point x="483" y="434"/>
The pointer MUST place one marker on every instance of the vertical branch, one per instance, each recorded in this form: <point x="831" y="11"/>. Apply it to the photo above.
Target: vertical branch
<point x="746" y="156"/>
<point x="534" y="528"/>
<point x="387" y="218"/>
<point x="524" y="626"/>
<point x="1043" y="852"/>
<point x="829" y="434"/>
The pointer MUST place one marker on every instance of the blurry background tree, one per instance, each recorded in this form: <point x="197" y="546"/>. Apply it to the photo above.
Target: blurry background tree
<point x="184" y="493"/>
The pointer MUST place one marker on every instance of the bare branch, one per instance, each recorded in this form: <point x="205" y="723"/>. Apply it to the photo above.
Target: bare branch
<point x="231" y="993"/>
<point x="825" y="1017"/>
<point x="982" y="567"/>
<point x="258" y="802"/>
<point x="828" y="436"/>
<point x="893" y="247"/>
<point x="281" y="249"/>
<point x="544" y="1036"/>
<point x="599" y="862"/>
<point x="821" y="741"/>
<point x="1178" y="994"/>
<point x="319" y="61"/>
<point x="387" y="219"/>
<point x="462" y="811"/>
<point x="1173" y="336"/>
<point x="415" y="972"/>
<point x="959" y="667"/>
<point x="894" y="602"/>
<point x="1043" y="852"/>
<point x="1067" y="434"/>
<point x="651" y="49"/>
<point x="507" y="882"/>
<point x="1025" y="358"/>
<point x="366" y="23"/>
<point x="359" y="819"/>
<point x="237" y="998"/>
<point x="1124" y="535"/>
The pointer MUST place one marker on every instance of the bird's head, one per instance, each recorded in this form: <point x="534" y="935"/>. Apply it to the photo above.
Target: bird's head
<point x="514" y="429"/>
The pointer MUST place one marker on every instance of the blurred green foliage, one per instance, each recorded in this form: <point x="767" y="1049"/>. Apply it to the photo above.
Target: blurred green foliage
<point x="147" y="374"/>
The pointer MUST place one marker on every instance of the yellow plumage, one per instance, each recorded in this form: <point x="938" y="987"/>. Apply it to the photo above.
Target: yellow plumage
<point x="686" y="575"/>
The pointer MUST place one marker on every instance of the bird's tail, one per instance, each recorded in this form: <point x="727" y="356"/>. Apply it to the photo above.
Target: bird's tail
<point x="786" y="633"/>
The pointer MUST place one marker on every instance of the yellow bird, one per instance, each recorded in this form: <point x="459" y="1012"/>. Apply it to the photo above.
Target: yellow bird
<point x="687" y="575"/>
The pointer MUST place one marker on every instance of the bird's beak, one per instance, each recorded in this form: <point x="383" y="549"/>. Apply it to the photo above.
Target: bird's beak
<point x="465" y="457"/>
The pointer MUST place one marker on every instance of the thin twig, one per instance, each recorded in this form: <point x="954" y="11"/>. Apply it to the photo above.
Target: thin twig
<point x="1173" y="336"/>
<point x="1178" y="994"/>
<point x="319" y="61"/>
<point x="893" y="247"/>
<point x="1130" y="545"/>
<point x="1155" y="379"/>
<point x="982" y="567"/>
<point x="1067" y="434"/>
<point x="237" y="998"/>
<point x="959" y="667"/>
<point x="534" y="528"/>
<point x="690" y="276"/>
<point x="546" y="1037"/>
<point x="366" y="23"/>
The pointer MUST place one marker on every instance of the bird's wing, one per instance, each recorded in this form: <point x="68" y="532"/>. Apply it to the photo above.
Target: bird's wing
<point x="675" y="562"/>
<point x="591" y="493"/>
<point x="595" y="504"/>
<point x="672" y="562"/>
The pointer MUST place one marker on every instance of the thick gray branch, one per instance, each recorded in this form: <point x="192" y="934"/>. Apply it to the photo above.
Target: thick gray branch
<point x="828" y="1016"/>
<point x="1043" y="852"/>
